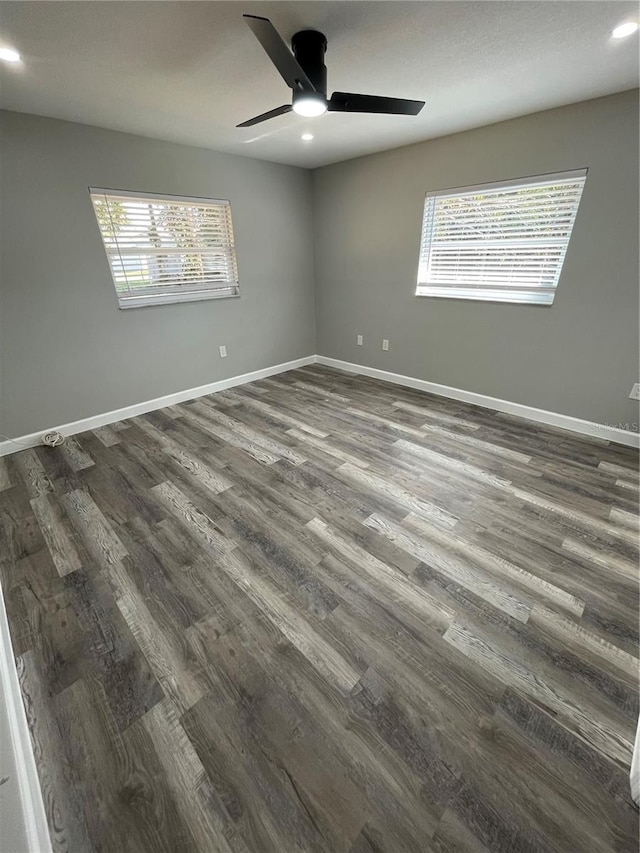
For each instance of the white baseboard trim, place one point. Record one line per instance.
(22, 813)
(555, 419)
(35, 438)
(590, 428)
(635, 768)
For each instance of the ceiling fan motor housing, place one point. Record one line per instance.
(309, 47)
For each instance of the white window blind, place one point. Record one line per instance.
(166, 248)
(499, 242)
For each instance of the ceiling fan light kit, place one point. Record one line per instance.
(305, 73)
(309, 105)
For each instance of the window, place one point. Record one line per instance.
(166, 248)
(501, 242)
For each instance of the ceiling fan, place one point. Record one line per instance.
(305, 73)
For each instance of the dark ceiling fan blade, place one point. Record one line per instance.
(349, 102)
(279, 111)
(279, 53)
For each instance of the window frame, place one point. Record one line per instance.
(512, 293)
(166, 294)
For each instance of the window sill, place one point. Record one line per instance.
(127, 302)
(544, 299)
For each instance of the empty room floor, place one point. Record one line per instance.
(325, 613)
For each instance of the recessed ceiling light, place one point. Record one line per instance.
(7, 54)
(625, 30)
(307, 137)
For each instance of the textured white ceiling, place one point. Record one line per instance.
(190, 71)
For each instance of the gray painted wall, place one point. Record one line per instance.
(578, 357)
(68, 351)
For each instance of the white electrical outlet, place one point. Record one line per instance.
(385, 344)
(223, 352)
(359, 340)
(635, 392)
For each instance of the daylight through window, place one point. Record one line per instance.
(499, 242)
(165, 249)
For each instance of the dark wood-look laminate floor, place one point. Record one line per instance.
(324, 613)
